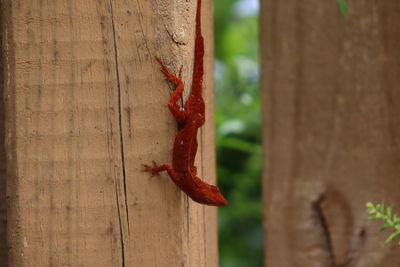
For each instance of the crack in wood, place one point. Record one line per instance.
(120, 119)
(121, 142)
(120, 227)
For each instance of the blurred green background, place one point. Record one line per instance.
(238, 132)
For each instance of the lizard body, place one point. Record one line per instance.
(190, 118)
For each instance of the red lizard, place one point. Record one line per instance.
(190, 118)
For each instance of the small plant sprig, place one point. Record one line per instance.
(379, 212)
(343, 7)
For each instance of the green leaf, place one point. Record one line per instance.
(370, 205)
(380, 208)
(384, 227)
(343, 7)
(396, 220)
(389, 212)
(392, 236)
(391, 220)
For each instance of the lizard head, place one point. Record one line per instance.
(213, 197)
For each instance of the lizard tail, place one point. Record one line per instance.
(198, 69)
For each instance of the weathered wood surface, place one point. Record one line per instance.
(331, 90)
(85, 108)
(3, 202)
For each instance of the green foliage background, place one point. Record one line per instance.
(238, 135)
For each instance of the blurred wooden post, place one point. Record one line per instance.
(331, 92)
(85, 108)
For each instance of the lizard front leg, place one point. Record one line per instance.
(156, 169)
(177, 111)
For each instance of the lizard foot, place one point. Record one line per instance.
(168, 75)
(153, 169)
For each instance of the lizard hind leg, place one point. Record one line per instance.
(177, 111)
(177, 81)
(155, 169)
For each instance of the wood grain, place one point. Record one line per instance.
(330, 95)
(3, 200)
(86, 107)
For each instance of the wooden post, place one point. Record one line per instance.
(331, 90)
(3, 200)
(85, 109)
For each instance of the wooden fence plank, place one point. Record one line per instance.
(330, 90)
(86, 107)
